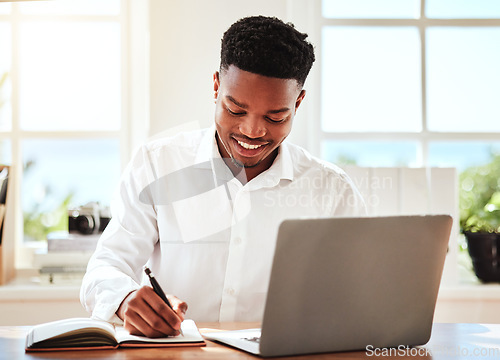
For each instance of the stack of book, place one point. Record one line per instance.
(65, 260)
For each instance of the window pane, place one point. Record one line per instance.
(371, 79)
(5, 152)
(67, 7)
(463, 79)
(365, 9)
(70, 76)
(465, 9)
(62, 173)
(462, 154)
(5, 79)
(370, 153)
(5, 8)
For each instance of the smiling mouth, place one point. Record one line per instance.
(248, 146)
(248, 150)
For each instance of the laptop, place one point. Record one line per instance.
(342, 284)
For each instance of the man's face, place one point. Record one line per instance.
(253, 116)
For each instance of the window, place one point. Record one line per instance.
(410, 83)
(63, 124)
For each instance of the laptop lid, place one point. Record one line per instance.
(346, 283)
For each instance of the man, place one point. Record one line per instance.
(202, 209)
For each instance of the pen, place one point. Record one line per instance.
(158, 290)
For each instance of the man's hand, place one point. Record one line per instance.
(145, 313)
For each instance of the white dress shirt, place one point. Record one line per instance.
(208, 239)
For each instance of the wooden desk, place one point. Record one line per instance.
(448, 341)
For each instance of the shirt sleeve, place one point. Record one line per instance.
(127, 243)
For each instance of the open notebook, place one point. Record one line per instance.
(86, 334)
(349, 283)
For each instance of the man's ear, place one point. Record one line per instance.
(299, 99)
(216, 84)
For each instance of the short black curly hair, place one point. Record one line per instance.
(269, 47)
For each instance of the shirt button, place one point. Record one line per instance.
(237, 240)
(230, 291)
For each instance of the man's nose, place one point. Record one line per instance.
(253, 127)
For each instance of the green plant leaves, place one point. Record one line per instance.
(479, 197)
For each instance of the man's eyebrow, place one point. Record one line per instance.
(244, 106)
(285, 109)
(234, 101)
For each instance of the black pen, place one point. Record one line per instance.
(158, 290)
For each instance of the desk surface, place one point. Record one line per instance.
(448, 341)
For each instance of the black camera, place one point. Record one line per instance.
(88, 219)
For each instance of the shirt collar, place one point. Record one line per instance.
(208, 157)
(281, 169)
(208, 147)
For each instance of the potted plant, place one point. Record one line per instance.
(479, 199)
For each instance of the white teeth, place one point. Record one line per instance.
(248, 146)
